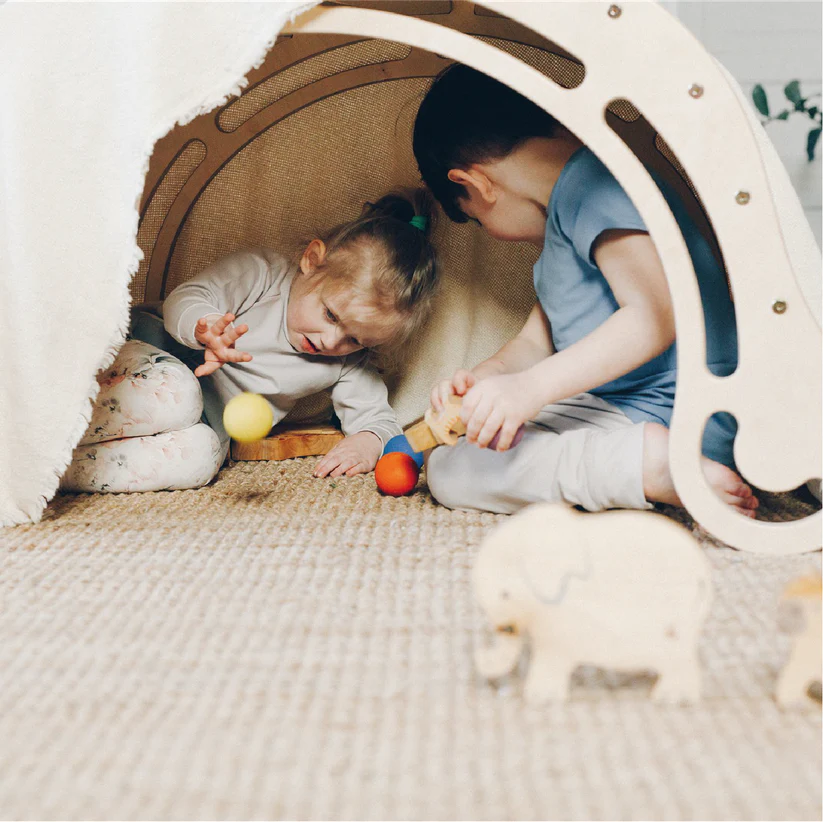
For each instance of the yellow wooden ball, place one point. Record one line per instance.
(247, 417)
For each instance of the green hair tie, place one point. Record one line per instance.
(419, 221)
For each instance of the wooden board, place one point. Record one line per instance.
(288, 441)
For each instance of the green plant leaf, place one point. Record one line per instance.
(811, 142)
(812, 112)
(761, 102)
(784, 115)
(792, 92)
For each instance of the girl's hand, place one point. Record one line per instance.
(502, 403)
(459, 384)
(357, 454)
(219, 340)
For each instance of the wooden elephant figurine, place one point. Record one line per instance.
(626, 590)
(801, 605)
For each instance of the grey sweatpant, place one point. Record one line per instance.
(582, 451)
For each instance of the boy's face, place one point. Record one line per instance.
(508, 218)
(500, 202)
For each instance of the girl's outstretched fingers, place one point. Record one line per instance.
(223, 323)
(206, 368)
(231, 335)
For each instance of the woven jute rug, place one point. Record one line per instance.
(279, 647)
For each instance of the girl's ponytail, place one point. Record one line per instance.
(412, 206)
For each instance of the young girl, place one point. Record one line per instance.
(305, 327)
(592, 374)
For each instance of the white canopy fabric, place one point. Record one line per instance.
(86, 90)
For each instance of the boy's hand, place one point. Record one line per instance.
(357, 454)
(219, 339)
(502, 403)
(459, 384)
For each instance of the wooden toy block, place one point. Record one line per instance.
(438, 429)
(288, 441)
(802, 598)
(626, 590)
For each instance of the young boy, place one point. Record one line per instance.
(593, 371)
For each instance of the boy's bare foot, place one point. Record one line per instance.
(657, 478)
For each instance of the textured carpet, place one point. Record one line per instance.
(274, 646)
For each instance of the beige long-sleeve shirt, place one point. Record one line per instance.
(254, 285)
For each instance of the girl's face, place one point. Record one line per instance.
(325, 319)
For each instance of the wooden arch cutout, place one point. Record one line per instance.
(778, 446)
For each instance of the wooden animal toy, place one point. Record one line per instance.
(445, 428)
(801, 604)
(626, 590)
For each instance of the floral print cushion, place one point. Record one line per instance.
(145, 391)
(145, 432)
(170, 461)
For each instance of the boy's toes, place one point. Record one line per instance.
(744, 498)
(731, 488)
(738, 496)
(748, 506)
(743, 491)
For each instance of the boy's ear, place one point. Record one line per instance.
(313, 257)
(474, 178)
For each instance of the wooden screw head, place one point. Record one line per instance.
(696, 90)
(779, 306)
(742, 197)
(615, 12)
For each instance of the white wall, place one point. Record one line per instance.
(769, 43)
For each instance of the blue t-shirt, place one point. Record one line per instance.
(585, 202)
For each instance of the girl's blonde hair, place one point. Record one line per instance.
(386, 258)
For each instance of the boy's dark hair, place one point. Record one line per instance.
(468, 117)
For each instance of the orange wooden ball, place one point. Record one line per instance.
(396, 474)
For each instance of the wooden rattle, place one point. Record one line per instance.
(446, 427)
